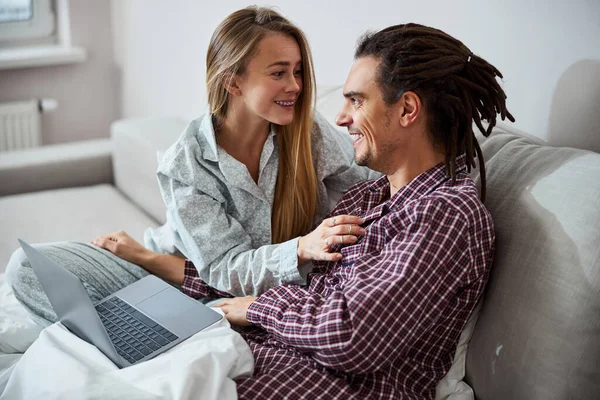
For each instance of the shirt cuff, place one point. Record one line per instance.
(195, 287)
(288, 262)
(259, 310)
(192, 285)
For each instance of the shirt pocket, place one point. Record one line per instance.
(351, 253)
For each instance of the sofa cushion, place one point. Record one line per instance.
(137, 145)
(538, 335)
(67, 214)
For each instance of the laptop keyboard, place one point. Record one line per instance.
(133, 334)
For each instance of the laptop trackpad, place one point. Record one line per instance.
(166, 304)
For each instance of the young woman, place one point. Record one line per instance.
(243, 185)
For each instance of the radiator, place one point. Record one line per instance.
(20, 125)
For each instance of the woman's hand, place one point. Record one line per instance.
(341, 229)
(124, 246)
(165, 266)
(235, 309)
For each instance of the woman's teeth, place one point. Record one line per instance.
(285, 103)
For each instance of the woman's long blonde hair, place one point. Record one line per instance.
(233, 44)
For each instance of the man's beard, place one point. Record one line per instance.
(363, 160)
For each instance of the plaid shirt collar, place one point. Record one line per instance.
(420, 186)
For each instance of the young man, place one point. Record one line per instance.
(384, 320)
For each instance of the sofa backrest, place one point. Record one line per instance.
(538, 334)
(138, 143)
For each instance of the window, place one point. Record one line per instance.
(27, 22)
(35, 33)
(15, 11)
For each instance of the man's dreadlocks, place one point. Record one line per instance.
(456, 87)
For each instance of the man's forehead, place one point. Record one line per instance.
(362, 75)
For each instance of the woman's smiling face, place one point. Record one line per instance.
(272, 80)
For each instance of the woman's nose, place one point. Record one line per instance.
(294, 84)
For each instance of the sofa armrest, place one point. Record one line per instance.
(56, 166)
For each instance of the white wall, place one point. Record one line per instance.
(538, 45)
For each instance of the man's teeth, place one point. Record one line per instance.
(285, 103)
(357, 136)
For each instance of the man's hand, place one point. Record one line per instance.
(235, 309)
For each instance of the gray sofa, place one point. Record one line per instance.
(538, 333)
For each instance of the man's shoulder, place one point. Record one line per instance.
(458, 199)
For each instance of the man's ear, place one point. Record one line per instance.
(232, 84)
(410, 108)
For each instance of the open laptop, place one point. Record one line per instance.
(132, 325)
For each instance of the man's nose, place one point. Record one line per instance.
(342, 118)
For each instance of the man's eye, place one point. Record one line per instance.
(354, 101)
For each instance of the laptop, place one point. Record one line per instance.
(132, 325)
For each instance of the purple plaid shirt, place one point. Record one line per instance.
(384, 321)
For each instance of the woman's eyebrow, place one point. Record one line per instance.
(282, 63)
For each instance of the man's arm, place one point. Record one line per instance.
(390, 300)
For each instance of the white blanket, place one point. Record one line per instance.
(17, 332)
(59, 365)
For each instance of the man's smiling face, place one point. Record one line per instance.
(369, 120)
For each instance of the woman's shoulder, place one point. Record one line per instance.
(194, 134)
(327, 139)
(320, 125)
(189, 150)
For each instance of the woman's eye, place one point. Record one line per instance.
(298, 72)
(278, 73)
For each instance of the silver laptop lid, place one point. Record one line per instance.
(71, 302)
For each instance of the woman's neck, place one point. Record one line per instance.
(243, 128)
(243, 135)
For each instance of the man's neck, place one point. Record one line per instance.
(413, 165)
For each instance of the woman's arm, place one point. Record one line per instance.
(174, 269)
(165, 266)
